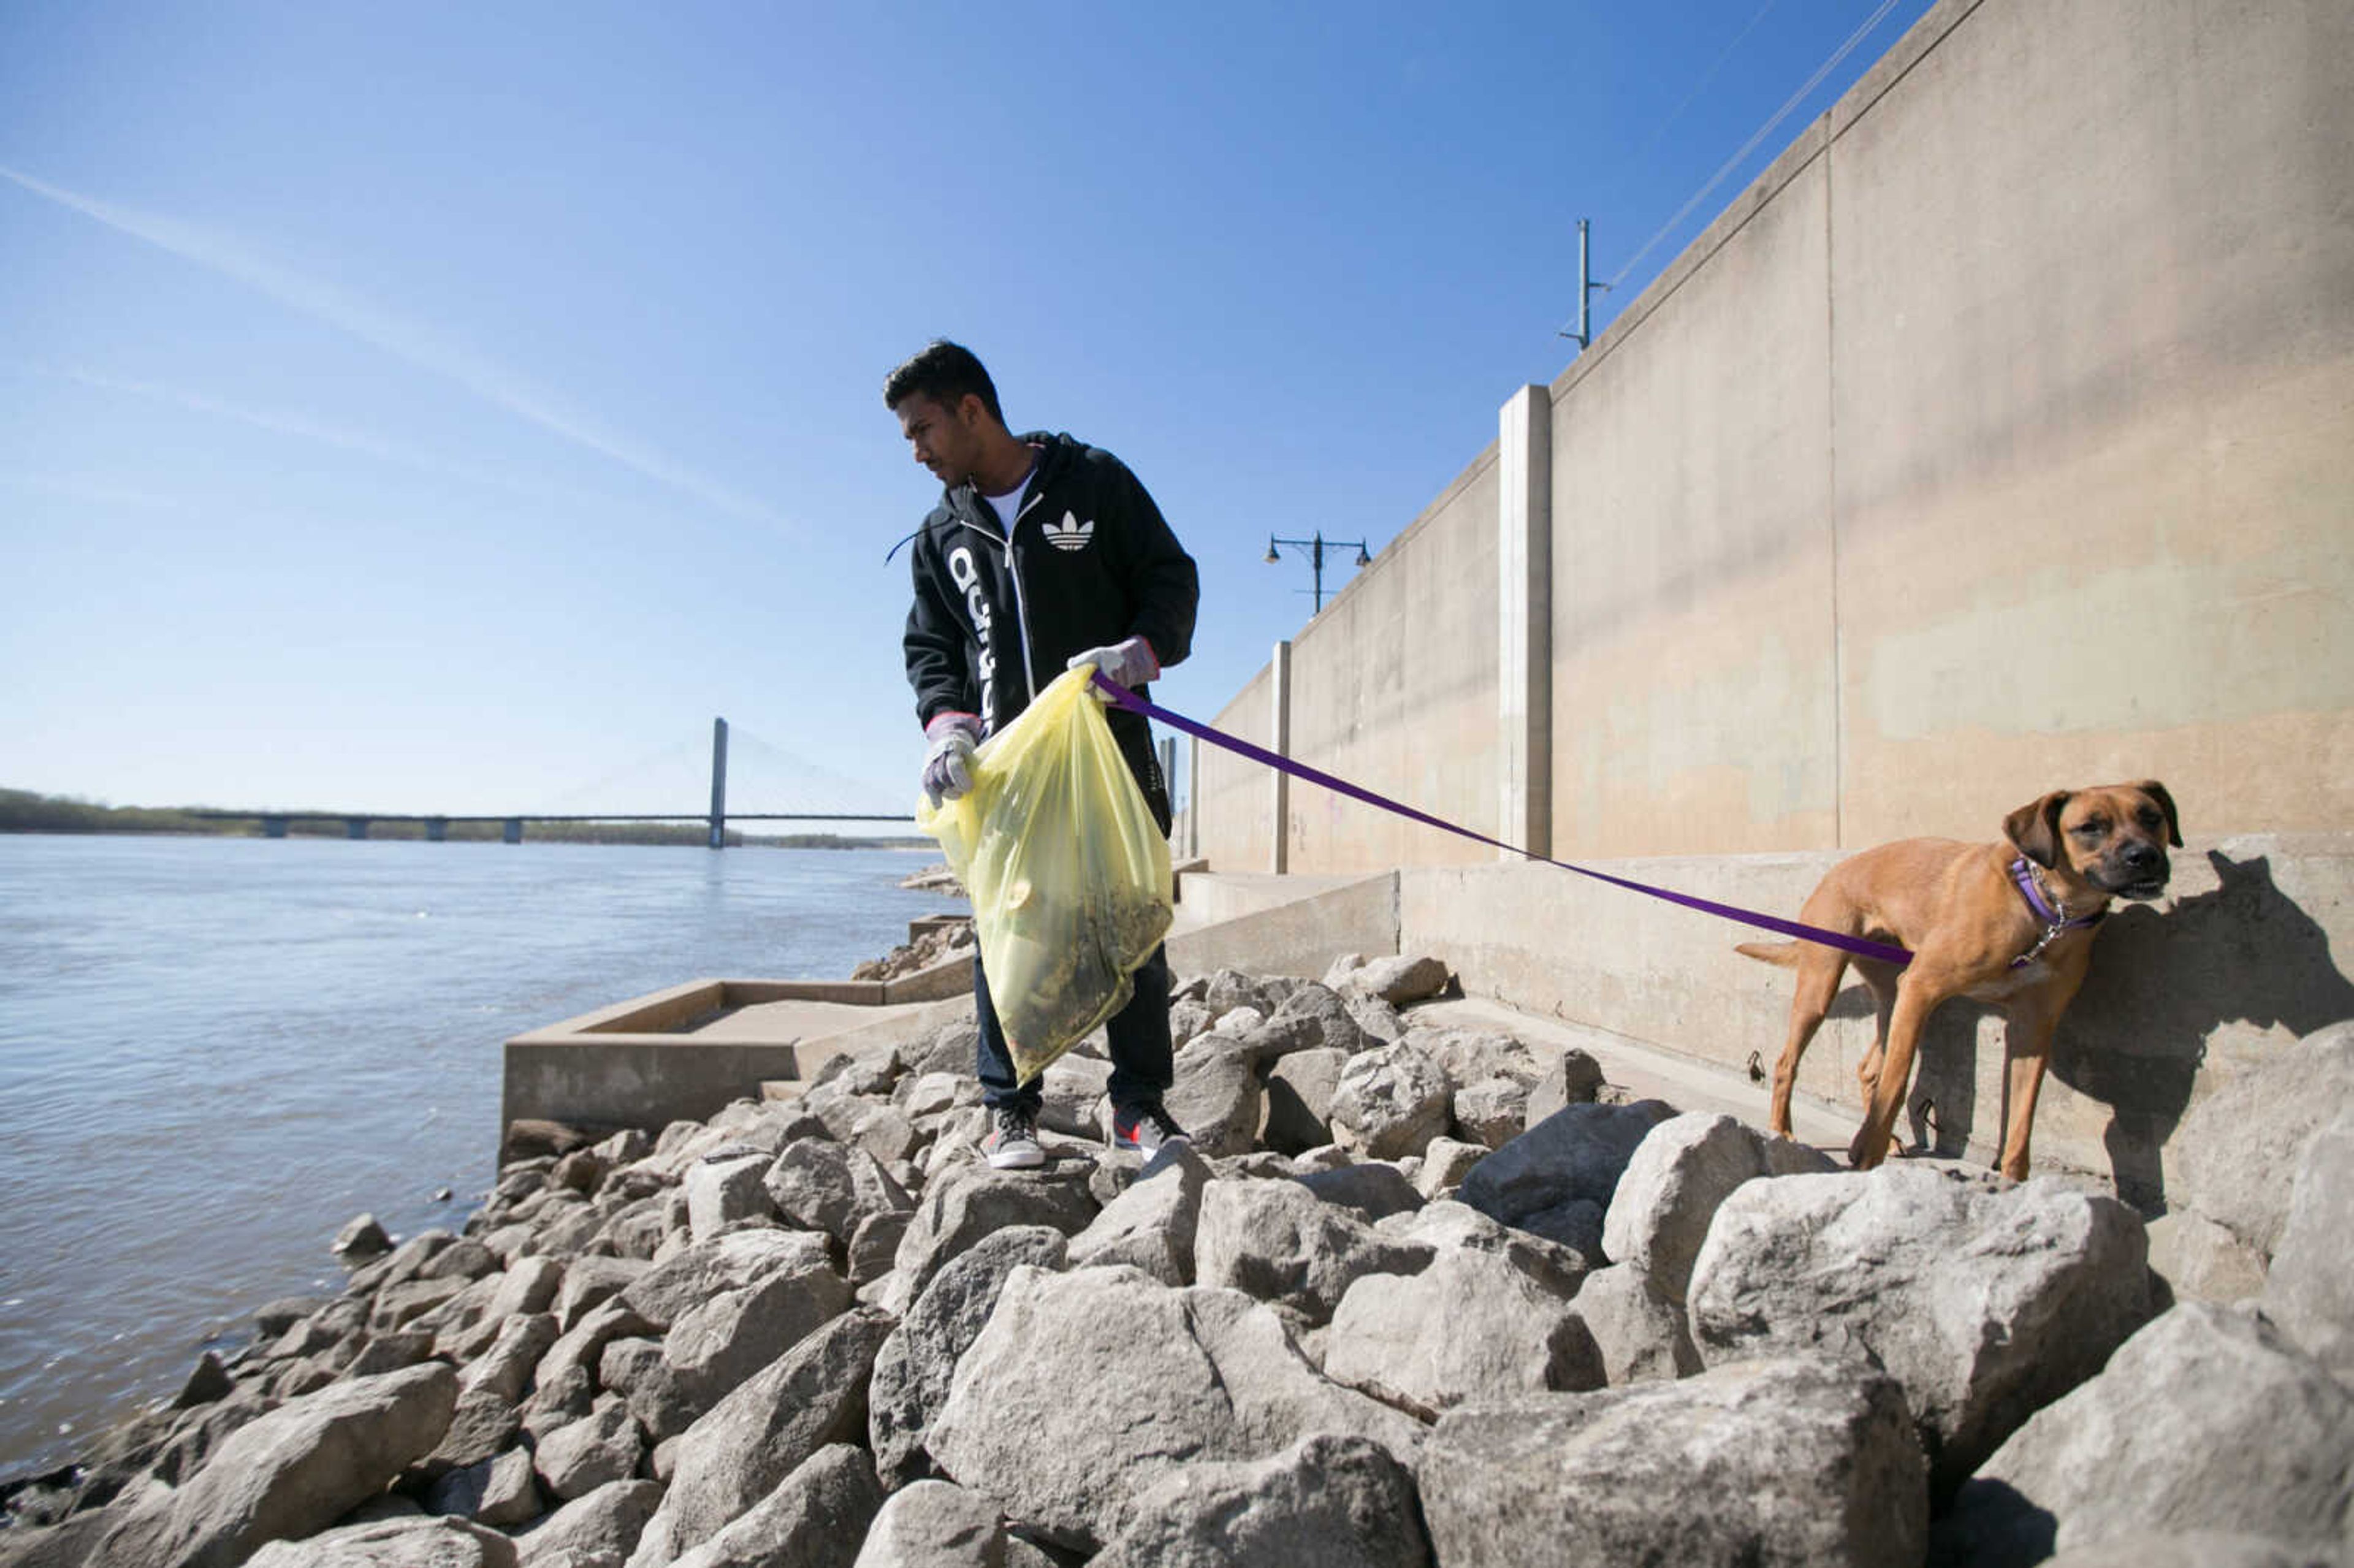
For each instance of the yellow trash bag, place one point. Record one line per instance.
(1068, 871)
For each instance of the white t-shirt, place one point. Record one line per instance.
(1008, 505)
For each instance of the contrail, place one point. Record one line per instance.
(404, 340)
(341, 437)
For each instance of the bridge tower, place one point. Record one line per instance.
(718, 783)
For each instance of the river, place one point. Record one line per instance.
(215, 1052)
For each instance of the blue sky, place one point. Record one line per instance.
(439, 407)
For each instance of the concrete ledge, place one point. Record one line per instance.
(1268, 924)
(2240, 961)
(684, 1052)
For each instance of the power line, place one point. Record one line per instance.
(1763, 131)
(1705, 78)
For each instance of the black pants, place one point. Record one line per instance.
(1139, 1033)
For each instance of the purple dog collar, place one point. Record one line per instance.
(2030, 888)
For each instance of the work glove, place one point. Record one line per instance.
(948, 767)
(1129, 663)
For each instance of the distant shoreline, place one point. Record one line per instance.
(23, 812)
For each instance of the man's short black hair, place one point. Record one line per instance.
(944, 372)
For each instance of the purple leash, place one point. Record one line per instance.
(1861, 947)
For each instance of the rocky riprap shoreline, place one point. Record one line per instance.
(1415, 1294)
(951, 938)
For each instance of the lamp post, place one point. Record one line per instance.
(1315, 548)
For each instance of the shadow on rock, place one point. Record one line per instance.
(2162, 984)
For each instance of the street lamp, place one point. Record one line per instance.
(1315, 548)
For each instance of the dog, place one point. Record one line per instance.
(2011, 924)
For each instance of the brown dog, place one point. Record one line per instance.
(2011, 924)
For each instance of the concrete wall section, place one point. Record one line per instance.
(1994, 440)
(1692, 560)
(1393, 687)
(1237, 823)
(2094, 403)
(1293, 936)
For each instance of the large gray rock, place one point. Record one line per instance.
(875, 1246)
(1215, 1097)
(816, 1394)
(1471, 1326)
(1470, 1055)
(1398, 981)
(1678, 1175)
(2311, 1290)
(918, 1360)
(1328, 1024)
(1229, 989)
(394, 1543)
(1390, 1102)
(668, 1291)
(1642, 1336)
(969, 1202)
(2202, 1261)
(1376, 1188)
(500, 1490)
(1150, 1224)
(1571, 1078)
(1445, 1164)
(828, 1187)
(291, 1472)
(717, 1343)
(1070, 1091)
(1088, 1388)
(602, 1448)
(1573, 1156)
(1985, 1301)
(723, 1188)
(1297, 1110)
(934, 1524)
(599, 1531)
(2208, 1419)
(1491, 1112)
(1448, 1223)
(635, 1370)
(482, 1424)
(1280, 1243)
(528, 1288)
(2195, 1548)
(815, 1518)
(591, 1280)
(1324, 1502)
(1804, 1462)
(2235, 1156)
(567, 1374)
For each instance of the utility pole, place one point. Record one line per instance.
(719, 783)
(1315, 548)
(1585, 287)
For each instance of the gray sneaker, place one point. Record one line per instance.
(1012, 1140)
(1144, 1129)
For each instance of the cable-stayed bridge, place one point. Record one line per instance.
(651, 790)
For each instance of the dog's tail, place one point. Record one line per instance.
(1784, 954)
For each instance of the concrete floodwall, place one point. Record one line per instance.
(1231, 802)
(1393, 687)
(1998, 438)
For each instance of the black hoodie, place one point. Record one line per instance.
(1090, 563)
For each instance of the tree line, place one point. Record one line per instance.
(25, 811)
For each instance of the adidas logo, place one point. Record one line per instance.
(1070, 534)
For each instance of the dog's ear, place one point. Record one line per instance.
(2035, 829)
(2157, 791)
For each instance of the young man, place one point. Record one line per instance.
(1043, 553)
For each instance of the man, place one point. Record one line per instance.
(1043, 553)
